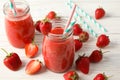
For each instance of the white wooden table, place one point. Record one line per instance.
(39, 8)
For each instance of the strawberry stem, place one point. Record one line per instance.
(109, 76)
(106, 51)
(33, 41)
(45, 20)
(106, 78)
(39, 61)
(5, 51)
(8, 54)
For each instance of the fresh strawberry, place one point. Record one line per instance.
(12, 61)
(83, 36)
(37, 25)
(100, 76)
(102, 41)
(51, 15)
(83, 64)
(45, 27)
(78, 44)
(71, 75)
(33, 67)
(77, 29)
(31, 49)
(99, 13)
(96, 56)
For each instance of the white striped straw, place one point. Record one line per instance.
(70, 18)
(87, 26)
(69, 24)
(12, 6)
(66, 32)
(84, 23)
(91, 19)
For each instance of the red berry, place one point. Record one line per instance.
(31, 49)
(99, 13)
(100, 76)
(37, 27)
(78, 44)
(12, 61)
(83, 36)
(102, 41)
(45, 27)
(71, 75)
(77, 29)
(51, 15)
(96, 56)
(83, 64)
(33, 67)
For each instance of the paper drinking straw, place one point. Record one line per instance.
(90, 18)
(66, 32)
(70, 26)
(12, 6)
(83, 22)
(70, 18)
(87, 26)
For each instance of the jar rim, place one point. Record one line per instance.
(6, 7)
(59, 23)
(59, 37)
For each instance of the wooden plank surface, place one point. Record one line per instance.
(39, 8)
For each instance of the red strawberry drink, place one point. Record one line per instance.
(58, 52)
(19, 26)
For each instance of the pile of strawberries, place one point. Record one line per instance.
(83, 62)
(13, 61)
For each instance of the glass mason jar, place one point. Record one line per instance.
(19, 27)
(58, 52)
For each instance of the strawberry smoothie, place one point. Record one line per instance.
(58, 53)
(19, 28)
